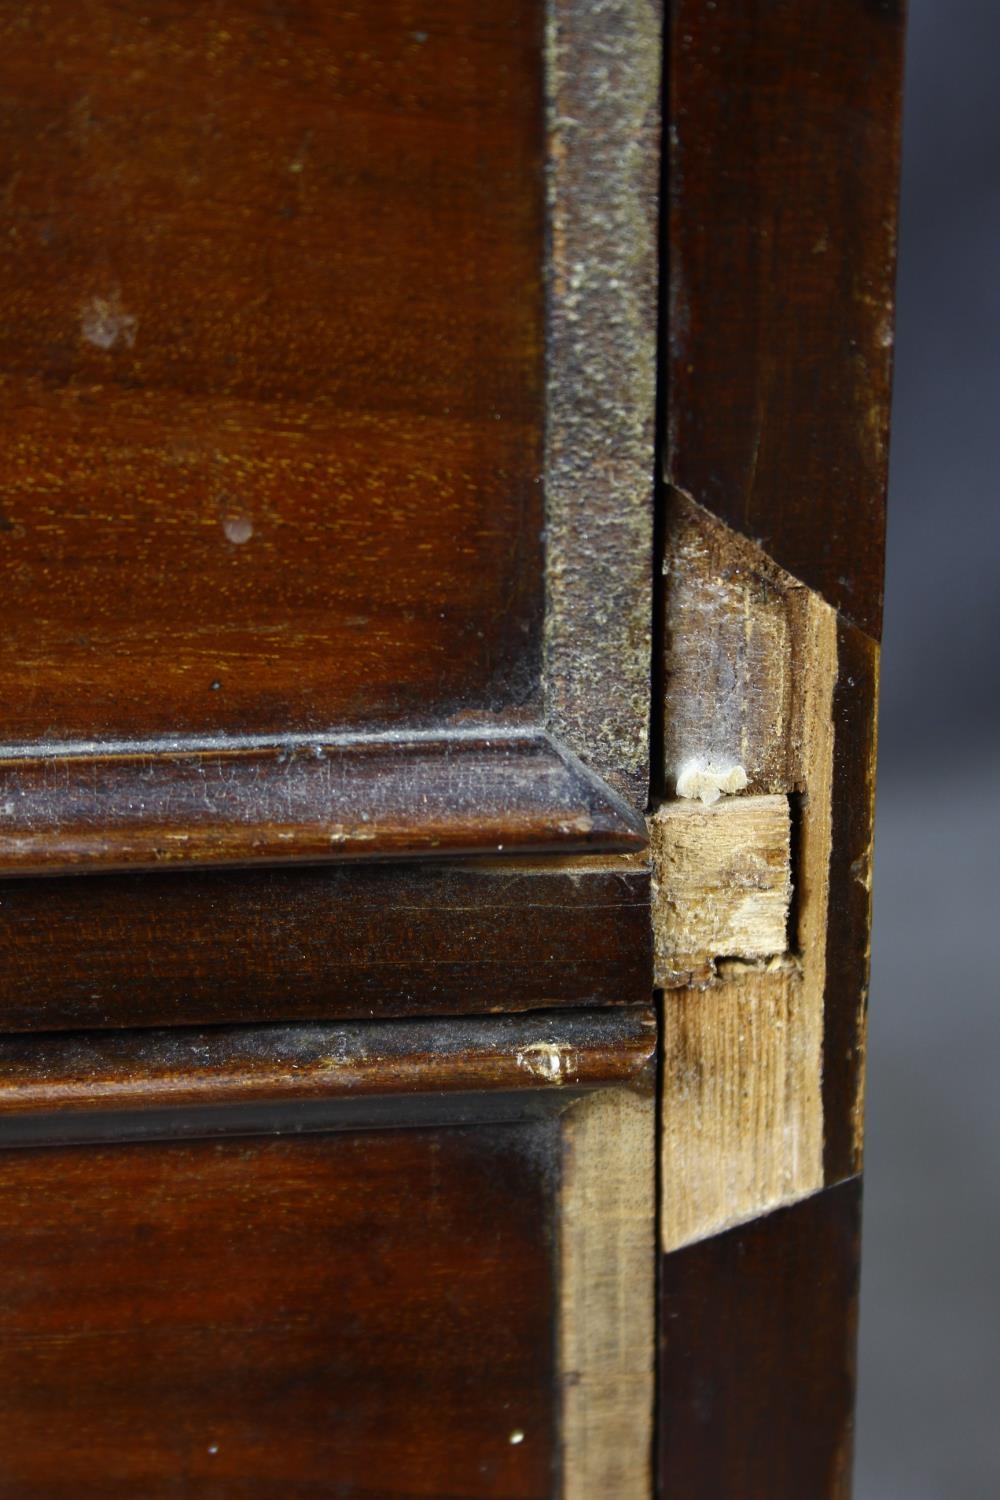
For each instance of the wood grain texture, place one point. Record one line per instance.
(359, 941)
(105, 807)
(354, 1315)
(607, 1311)
(64, 1080)
(783, 167)
(751, 666)
(742, 1116)
(272, 365)
(758, 1330)
(603, 73)
(722, 884)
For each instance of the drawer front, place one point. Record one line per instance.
(394, 1260)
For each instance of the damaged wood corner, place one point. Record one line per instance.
(741, 877)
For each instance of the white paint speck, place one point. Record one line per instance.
(549, 1060)
(213, 1448)
(238, 529)
(516, 1437)
(105, 323)
(708, 780)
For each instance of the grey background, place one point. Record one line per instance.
(929, 1407)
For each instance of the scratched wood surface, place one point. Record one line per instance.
(271, 364)
(325, 798)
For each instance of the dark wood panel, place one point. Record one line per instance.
(347, 941)
(112, 807)
(784, 124)
(758, 1329)
(848, 943)
(220, 1080)
(356, 1315)
(272, 365)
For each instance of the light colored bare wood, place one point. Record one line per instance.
(722, 886)
(607, 1257)
(742, 1122)
(752, 665)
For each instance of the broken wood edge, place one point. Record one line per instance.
(607, 1299)
(722, 885)
(742, 1111)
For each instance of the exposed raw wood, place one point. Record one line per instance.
(603, 68)
(739, 652)
(722, 885)
(751, 663)
(607, 1306)
(742, 1116)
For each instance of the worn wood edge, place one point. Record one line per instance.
(179, 1068)
(607, 1302)
(123, 807)
(742, 1116)
(603, 63)
(849, 939)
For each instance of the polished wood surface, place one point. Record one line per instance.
(355, 1315)
(758, 1329)
(782, 180)
(272, 365)
(339, 941)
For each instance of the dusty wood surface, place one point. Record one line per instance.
(603, 63)
(607, 1270)
(101, 1072)
(362, 941)
(325, 798)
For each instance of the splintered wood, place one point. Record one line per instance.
(722, 885)
(607, 1258)
(740, 934)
